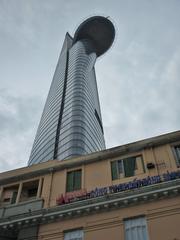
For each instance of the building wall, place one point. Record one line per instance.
(80, 131)
(46, 136)
(162, 217)
(98, 174)
(71, 123)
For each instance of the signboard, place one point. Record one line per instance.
(97, 192)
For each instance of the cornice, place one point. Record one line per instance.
(93, 206)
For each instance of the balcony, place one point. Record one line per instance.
(21, 208)
(21, 198)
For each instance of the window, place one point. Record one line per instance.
(136, 229)
(9, 195)
(29, 190)
(7, 200)
(127, 167)
(14, 196)
(176, 150)
(73, 181)
(11, 200)
(32, 192)
(74, 235)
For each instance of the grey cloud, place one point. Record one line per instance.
(142, 96)
(18, 112)
(138, 79)
(19, 117)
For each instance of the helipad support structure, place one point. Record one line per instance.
(71, 123)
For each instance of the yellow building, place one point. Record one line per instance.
(128, 192)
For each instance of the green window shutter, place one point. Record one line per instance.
(177, 154)
(77, 180)
(114, 170)
(69, 183)
(129, 166)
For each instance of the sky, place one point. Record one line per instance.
(138, 78)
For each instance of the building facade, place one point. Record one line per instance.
(71, 123)
(130, 192)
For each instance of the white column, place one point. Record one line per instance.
(19, 192)
(39, 188)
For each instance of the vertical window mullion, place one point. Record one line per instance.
(120, 167)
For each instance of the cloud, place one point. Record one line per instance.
(142, 94)
(138, 78)
(19, 116)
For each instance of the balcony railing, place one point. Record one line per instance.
(21, 208)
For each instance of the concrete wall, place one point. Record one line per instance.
(162, 216)
(28, 233)
(98, 174)
(22, 208)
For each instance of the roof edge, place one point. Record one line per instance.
(56, 165)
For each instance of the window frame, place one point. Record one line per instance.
(74, 182)
(175, 154)
(139, 218)
(123, 174)
(71, 231)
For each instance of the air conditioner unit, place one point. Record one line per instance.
(150, 165)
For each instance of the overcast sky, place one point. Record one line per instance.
(138, 78)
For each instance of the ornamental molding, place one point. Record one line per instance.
(93, 206)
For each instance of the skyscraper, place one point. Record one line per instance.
(71, 123)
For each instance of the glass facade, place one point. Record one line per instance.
(71, 122)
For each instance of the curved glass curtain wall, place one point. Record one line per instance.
(71, 121)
